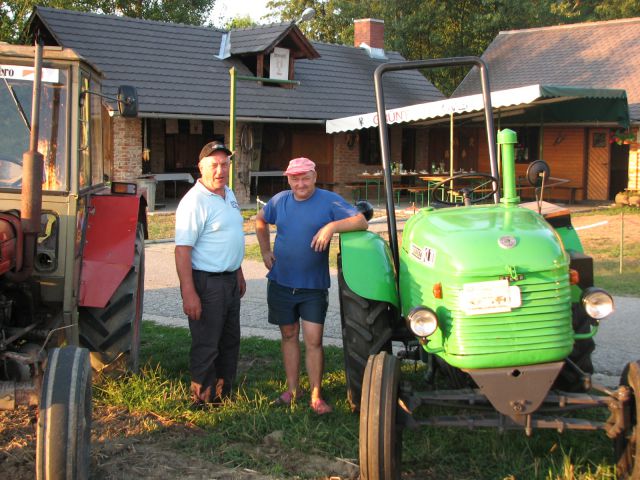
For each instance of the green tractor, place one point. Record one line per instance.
(496, 296)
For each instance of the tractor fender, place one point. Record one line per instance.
(367, 266)
(109, 243)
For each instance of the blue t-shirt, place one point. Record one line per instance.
(212, 226)
(297, 265)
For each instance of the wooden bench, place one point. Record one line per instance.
(570, 189)
(355, 188)
(398, 189)
(419, 191)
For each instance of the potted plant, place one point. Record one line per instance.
(622, 137)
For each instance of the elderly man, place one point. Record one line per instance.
(209, 250)
(306, 218)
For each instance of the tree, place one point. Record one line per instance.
(420, 29)
(14, 14)
(240, 22)
(191, 12)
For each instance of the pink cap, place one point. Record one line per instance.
(301, 165)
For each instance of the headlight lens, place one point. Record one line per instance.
(422, 321)
(597, 303)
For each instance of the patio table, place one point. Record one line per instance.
(378, 180)
(434, 179)
(174, 177)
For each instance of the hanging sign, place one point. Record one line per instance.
(20, 72)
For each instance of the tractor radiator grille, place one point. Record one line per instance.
(542, 322)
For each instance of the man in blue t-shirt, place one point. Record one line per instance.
(306, 218)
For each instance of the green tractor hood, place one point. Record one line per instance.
(477, 241)
(449, 254)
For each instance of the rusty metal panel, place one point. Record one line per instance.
(516, 391)
(109, 247)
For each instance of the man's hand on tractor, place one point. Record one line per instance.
(322, 239)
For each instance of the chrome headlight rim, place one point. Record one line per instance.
(589, 304)
(422, 316)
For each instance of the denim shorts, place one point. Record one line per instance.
(288, 305)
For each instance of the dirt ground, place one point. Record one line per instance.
(606, 229)
(122, 448)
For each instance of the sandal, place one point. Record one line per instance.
(320, 407)
(287, 398)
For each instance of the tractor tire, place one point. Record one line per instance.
(627, 443)
(64, 418)
(366, 330)
(112, 333)
(380, 437)
(569, 380)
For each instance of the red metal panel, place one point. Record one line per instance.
(108, 250)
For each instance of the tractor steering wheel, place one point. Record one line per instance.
(466, 191)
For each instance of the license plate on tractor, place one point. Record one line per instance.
(495, 296)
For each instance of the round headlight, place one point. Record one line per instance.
(597, 303)
(422, 321)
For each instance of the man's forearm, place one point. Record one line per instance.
(357, 222)
(263, 235)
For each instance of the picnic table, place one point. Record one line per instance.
(377, 179)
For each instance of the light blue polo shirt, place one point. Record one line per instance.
(212, 226)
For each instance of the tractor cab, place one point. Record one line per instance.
(71, 247)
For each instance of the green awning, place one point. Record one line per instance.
(546, 104)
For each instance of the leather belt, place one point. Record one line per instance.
(215, 274)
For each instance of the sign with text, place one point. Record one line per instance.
(279, 64)
(19, 72)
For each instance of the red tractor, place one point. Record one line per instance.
(71, 249)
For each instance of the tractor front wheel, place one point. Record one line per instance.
(627, 443)
(366, 330)
(380, 435)
(64, 416)
(113, 333)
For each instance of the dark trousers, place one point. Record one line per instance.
(215, 337)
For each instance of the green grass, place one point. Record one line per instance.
(605, 250)
(233, 433)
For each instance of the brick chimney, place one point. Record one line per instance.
(369, 31)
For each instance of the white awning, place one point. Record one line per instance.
(500, 99)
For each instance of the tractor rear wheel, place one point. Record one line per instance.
(380, 436)
(627, 443)
(112, 333)
(64, 417)
(366, 330)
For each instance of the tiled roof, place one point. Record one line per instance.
(597, 54)
(176, 71)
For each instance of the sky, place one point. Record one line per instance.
(233, 8)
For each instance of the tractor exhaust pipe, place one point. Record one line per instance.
(32, 166)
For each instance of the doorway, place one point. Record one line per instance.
(619, 179)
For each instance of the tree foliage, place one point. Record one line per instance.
(14, 14)
(421, 29)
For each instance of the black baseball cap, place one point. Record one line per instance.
(211, 147)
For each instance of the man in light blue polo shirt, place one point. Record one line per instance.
(209, 250)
